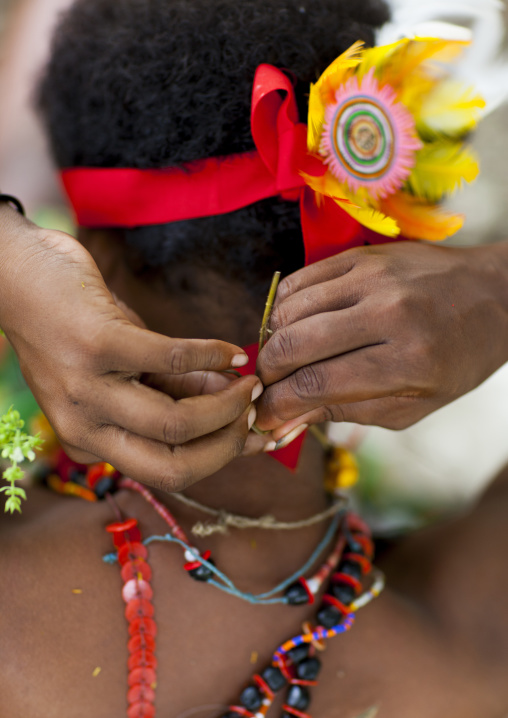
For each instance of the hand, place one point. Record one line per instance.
(83, 359)
(384, 335)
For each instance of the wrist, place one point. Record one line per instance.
(493, 263)
(22, 249)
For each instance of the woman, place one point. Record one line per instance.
(109, 99)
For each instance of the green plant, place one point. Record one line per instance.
(16, 446)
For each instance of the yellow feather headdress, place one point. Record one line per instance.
(390, 125)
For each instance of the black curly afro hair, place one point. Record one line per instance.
(154, 83)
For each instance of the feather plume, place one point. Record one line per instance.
(379, 57)
(411, 55)
(451, 109)
(419, 219)
(441, 168)
(481, 19)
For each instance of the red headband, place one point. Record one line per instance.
(126, 197)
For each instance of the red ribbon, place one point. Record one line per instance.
(127, 197)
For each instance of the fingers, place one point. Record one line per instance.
(149, 413)
(181, 386)
(339, 293)
(257, 444)
(125, 347)
(394, 413)
(358, 376)
(316, 339)
(170, 468)
(317, 273)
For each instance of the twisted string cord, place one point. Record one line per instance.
(226, 520)
(225, 584)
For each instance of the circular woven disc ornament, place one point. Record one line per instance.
(369, 139)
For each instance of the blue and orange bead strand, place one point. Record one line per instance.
(139, 611)
(295, 664)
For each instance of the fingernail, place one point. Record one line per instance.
(257, 391)
(271, 446)
(286, 440)
(252, 417)
(239, 360)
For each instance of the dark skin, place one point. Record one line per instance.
(434, 645)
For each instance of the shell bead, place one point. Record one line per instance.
(137, 588)
(141, 676)
(136, 569)
(142, 659)
(143, 709)
(141, 642)
(143, 625)
(131, 551)
(141, 693)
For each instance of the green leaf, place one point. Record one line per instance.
(16, 446)
(13, 473)
(13, 504)
(14, 491)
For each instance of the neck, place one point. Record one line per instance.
(259, 485)
(257, 558)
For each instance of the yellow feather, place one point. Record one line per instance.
(357, 206)
(410, 56)
(379, 57)
(451, 109)
(323, 92)
(327, 185)
(419, 219)
(316, 120)
(440, 169)
(413, 94)
(372, 219)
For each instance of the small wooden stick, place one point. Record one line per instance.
(321, 437)
(268, 310)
